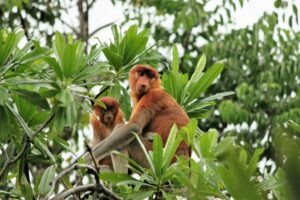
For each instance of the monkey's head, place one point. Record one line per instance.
(143, 78)
(107, 115)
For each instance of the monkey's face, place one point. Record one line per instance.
(107, 113)
(144, 81)
(143, 78)
(108, 116)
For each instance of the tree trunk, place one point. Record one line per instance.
(83, 10)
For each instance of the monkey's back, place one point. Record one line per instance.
(168, 112)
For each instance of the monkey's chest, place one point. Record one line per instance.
(162, 124)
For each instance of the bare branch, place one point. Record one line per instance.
(99, 29)
(96, 187)
(69, 26)
(23, 23)
(78, 189)
(89, 149)
(90, 5)
(43, 126)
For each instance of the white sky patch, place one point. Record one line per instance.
(104, 12)
(251, 12)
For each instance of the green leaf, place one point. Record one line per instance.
(175, 62)
(9, 42)
(198, 106)
(70, 55)
(174, 83)
(115, 59)
(146, 153)
(63, 143)
(41, 145)
(295, 10)
(199, 69)
(195, 78)
(254, 161)
(4, 125)
(116, 34)
(22, 183)
(94, 53)
(207, 144)
(199, 86)
(58, 46)
(171, 146)
(217, 96)
(59, 121)
(90, 72)
(224, 145)
(45, 184)
(65, 97)
(33, 98)
(55, 66)
(114, 177)
(157, 155)
(4, 96)
(38, 118)
(71, 113)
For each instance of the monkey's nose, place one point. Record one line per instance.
(143, 86)
(108, 119)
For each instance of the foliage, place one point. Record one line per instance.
(261, 59)
(46, 92)
(31, 16)
(186, 90)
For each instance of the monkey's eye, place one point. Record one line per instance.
(150, 75)
(141, 73)
(108, 108)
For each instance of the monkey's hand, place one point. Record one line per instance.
(149, 136)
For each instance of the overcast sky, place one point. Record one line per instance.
(104, 12)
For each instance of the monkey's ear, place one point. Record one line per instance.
(97, 110)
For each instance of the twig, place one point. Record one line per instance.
(23, 23)
(75, 190)
(90, 151)
(99, 29)
(26, 144)
(43, 126)
(186, 42)
(96, 187)
(91, 4)
(101, 92)
(70, 26)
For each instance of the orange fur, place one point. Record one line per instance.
(101, 128)
(154, 109)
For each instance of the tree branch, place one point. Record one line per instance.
(90, 5)
(23, 24)
(99, 29)
(26, 144)
(92, 187)
(89, 149)
(70, 26)
(78, 189)
(186, 42)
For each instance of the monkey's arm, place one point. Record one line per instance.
(122, 135)
(119, 138)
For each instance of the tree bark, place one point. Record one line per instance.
(83, 10)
